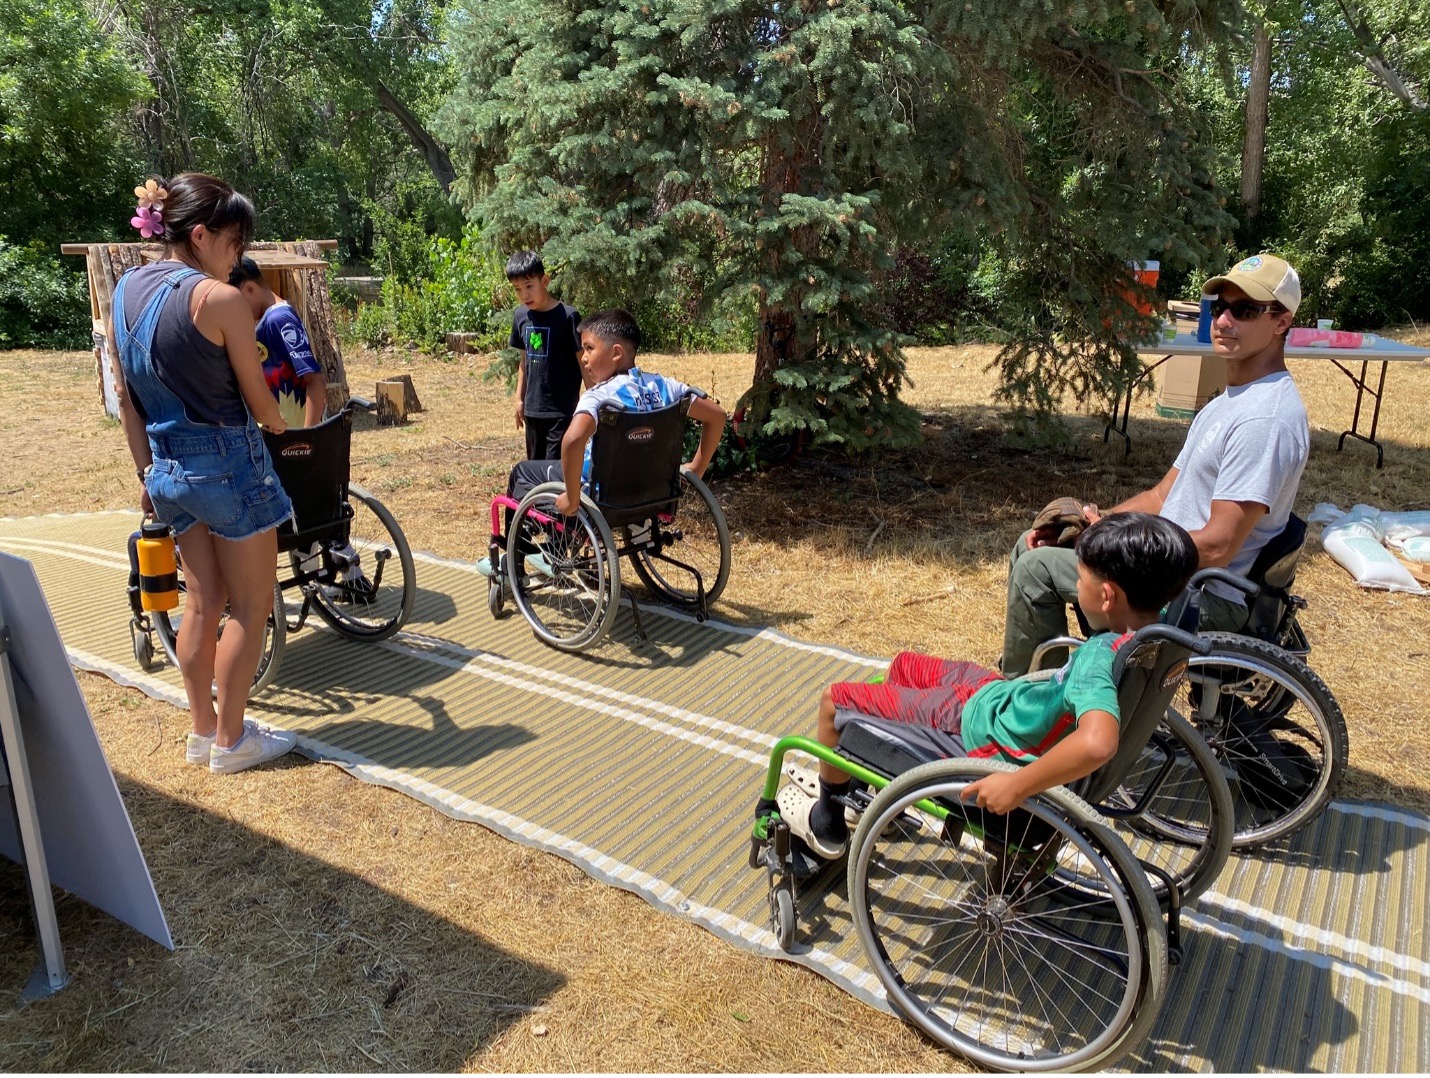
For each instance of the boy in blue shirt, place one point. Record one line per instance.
(610, 340)
(548, 379)
(293, 373)
(1057, 729)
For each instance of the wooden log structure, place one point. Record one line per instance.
(295, 270)
(410, 402)
(391, 403)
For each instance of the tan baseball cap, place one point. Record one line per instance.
(1265, 278)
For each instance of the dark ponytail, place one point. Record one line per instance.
(196, 199)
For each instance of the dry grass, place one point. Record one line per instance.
(325, 924)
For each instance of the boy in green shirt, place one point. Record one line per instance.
(1058, 728)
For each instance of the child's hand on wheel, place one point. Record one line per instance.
(567, 503)
(1000, 793)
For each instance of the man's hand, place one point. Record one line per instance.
(520, 413)
(145, 502)
(568, 503)
(1093, 514)
(1000, 793)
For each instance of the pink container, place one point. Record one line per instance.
(1305, 337)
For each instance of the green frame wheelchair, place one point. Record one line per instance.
(1039, 940)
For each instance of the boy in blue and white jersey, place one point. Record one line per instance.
(610, 340)
(293, 373)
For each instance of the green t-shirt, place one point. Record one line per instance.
(1020, 720)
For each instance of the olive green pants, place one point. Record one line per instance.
(1042, 584)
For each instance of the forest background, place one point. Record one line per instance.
(816, 183)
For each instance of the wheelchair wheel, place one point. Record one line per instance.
(496, 601)
(1274, 727)
(1186, 825)
(143, 645)
(697, 536)
(167, 624)
(562, 572)
(783, 918)
(985, 948)
(366, 586)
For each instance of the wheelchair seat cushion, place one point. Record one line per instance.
(893, 747)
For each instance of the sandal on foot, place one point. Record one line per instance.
(807, 780)
(795, 806)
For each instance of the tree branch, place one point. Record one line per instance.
(435, 153)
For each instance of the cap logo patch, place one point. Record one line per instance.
(1249, 264)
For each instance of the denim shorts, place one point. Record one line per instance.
(223, 479)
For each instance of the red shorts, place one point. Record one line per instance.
(920, 690)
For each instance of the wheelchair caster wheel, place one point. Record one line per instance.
(496, 601)
(143, 649)
(782, 916)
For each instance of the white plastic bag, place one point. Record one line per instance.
(1396, 528)
(1416, 548)
(1354, 541)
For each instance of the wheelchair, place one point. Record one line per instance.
(344, 554)
(1270, 720)
(563, 573)
(1039, 940)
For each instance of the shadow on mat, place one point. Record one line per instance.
(338, 702)
(668, 640)
(1263, 1002)
(283, 963)
(1353, 838)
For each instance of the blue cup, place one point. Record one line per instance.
(1204, 320)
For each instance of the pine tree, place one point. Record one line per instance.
(785, 150)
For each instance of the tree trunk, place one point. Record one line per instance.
(1372, 54)
(1253, 148)
(435, 153)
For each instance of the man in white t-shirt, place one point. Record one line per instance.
(1232, 485)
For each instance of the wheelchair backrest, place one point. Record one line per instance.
(1275, 564)
(1147, 670)
(1275, 570)
(635, 461)
(312, 464)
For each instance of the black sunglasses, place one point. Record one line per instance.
(1243, 310)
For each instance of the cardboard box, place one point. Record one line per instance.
(1187, 383)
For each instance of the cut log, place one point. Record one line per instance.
(409, 392)
(461, 343)
(391, 404)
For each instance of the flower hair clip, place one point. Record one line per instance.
(148, 215)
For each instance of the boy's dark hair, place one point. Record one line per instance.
(612, 325)
(246, 270)
(524, 264)
(1147, 556)
(196, 199)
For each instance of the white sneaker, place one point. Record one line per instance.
(198, 747)
(254, 747)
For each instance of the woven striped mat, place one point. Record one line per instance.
(1315, 957)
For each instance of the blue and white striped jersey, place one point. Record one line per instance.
(636, 391)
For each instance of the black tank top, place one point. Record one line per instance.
(191, 366)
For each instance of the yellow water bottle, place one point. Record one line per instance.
(158, 568)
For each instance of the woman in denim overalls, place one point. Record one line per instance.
(191, 390)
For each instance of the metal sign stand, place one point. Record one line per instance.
(50, 976)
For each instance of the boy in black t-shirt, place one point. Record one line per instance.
(548, 381)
